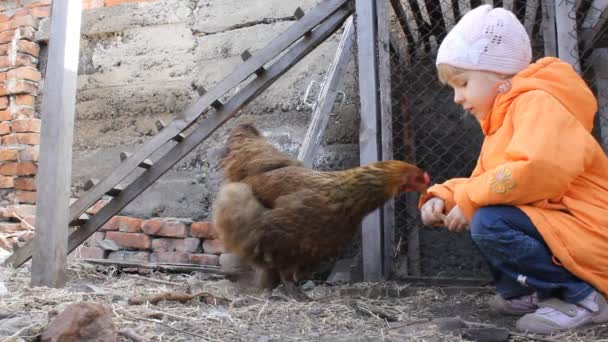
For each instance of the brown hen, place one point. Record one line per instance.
(284, 219)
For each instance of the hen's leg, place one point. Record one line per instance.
(287, 278)
(267, 278)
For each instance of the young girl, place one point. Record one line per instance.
(537, 202)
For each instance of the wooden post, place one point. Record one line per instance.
(368, 132)
(549, 34)
(567, 41)
(55, 168)
(329, 91)
(386, 128)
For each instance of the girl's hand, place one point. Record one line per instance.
(456, 221)
(432, 212)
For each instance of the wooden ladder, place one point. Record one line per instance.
(301, 38)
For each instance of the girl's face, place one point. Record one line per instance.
(475, 91)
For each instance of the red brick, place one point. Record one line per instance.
(169, 257)
(35, 3)
(6, 36)
(5, 115)
(4, 89)
(128, 224)
(18, 169)
(6, 227)
(41, 11)
(27, 47)
(96, 237)
(26, 125)
(213, 246)
(204, 259)
(6, 182)
(4, 17)
(28, 138)
(19, 21)
(91, 4)
(6, 244)
(24, 73)
(16, 87)
(28, 222)
(91, 253)
(25, 100)
(110, 225)
(4, 102)
(20, 210)
(229, 261)
(4, 49)
(5, 128)
(3, 76)
(25, 183)
(130, 256)
(8, 154)
(130, 240)
(164, 228)
(29, 153)
(203, 230)
(10, 139)
(187, 245)
(110, 3)
(26, 196)
(23, 112)
(97, 207)
(24, 60)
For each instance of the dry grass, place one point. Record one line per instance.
(340, 313)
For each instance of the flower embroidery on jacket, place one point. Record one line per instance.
(501, 181)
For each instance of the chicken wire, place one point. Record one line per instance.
(436, 134)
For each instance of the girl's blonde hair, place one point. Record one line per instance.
(446, 72)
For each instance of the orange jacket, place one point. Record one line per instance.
(538, 154)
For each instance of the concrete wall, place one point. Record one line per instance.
(144, 61)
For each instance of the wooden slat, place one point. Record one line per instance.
(214, 120)
(567, 41)
(329, 92)
(549, 33)
(368, 131)
(55, 172)
(257, 60)
(386, 130)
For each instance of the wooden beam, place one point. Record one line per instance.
(386, 130)
(567, 41)
(55, 165)
(368, 132)
(549, 33)
(191, 114)
(212, 121)
(329, 92)
(401, 15)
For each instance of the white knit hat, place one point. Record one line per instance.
(487, 39)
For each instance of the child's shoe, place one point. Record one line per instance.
(555, 315)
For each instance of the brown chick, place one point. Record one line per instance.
(284, 219)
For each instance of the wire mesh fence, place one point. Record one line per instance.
(429, 129)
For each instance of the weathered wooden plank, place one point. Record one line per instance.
(567, 33)
(386, 129)
(549, 33)
(55, 172)
(401, 15)
(214, 120)
(368, 132)
(257, 60)
(164, 267)
(599, 58)
(594, 28)
(329, 92)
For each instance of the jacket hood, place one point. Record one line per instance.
(556, 78)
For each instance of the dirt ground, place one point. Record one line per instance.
(357, 312)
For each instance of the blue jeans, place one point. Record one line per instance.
(518, 257)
